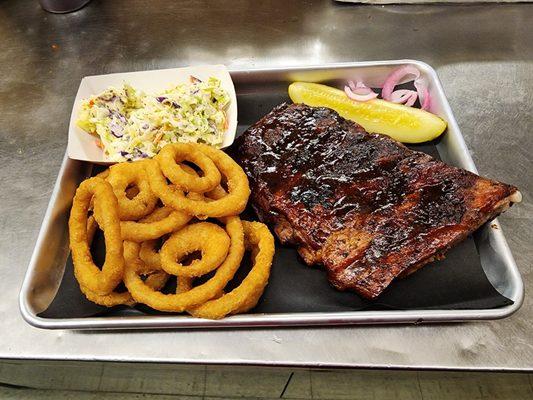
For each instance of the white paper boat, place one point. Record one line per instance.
(82, 145)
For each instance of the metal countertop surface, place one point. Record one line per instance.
(483, 55)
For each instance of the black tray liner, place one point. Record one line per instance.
(457, 282)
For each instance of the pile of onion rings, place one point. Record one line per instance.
(172, 217)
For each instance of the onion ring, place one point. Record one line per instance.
(102, 281)
(245, 296)
(162, 221)
(131, 192)
(120, 177)
(155, 280)
(149, 255)
(232, 204)
(113, 298)
(179, 302)
(172, 154)
(206, 237)
(108, 300)
(124, 200)
(104, 174)
(155, 276)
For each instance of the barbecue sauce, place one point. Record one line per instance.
(334, 185)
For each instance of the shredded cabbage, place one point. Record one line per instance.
(132, 125)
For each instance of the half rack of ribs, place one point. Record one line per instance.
(363, 205)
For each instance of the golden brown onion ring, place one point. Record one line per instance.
(155, 276)
(156, 280)
(162, 221)
(172, 154)
(150, 255)
(103, 281)
(210, 239)
(125, 174)
(131, 192)
(104, 174)
(110, 299)
(245, 296)
(113, 298)
(232, 204)
(200, 294)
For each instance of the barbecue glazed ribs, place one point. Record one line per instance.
(363, 205)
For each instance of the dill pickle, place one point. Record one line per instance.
(402, 123)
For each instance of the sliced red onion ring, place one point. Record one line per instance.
(403, 96)
(359, 91)
(420, 84)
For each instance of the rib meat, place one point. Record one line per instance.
(363, 205)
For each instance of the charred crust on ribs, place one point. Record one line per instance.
(363, 205)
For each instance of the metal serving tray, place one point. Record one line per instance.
(47, 264)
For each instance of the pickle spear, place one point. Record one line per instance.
(402, 123)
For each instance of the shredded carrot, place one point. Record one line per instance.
(226, 122)
(158, 137)
(99, 144)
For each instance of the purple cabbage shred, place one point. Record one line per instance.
(115, 134)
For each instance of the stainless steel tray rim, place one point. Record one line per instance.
(286, 319)
(270, 320)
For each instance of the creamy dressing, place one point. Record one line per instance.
(132, 125)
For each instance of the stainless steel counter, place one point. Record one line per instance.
(483, 55)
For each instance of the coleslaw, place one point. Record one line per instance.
(132, 125)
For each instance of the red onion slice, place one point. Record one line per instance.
(359, 91)
(394, 78)
(420, 84)
(403, 96)
(423, 93)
